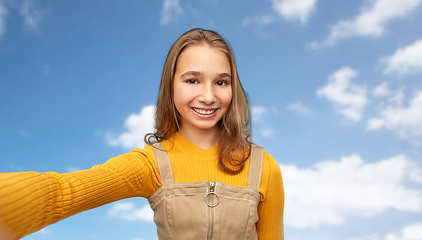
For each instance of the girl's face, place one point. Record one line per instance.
(202, 88)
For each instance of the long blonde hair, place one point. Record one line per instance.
(234, 138)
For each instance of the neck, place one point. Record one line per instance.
(203, 138)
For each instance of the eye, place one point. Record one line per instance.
(222, 83)
(192, 81)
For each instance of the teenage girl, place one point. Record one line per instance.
(202, 175)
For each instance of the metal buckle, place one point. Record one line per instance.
(212, 205)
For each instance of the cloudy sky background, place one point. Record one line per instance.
(335, 89)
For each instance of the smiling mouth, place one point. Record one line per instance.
(204, 112)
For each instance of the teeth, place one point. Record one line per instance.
(206, 112)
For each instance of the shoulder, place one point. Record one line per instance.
(271, 174)
(133, 159)
(147, 155)
(270, 168)
(147, 152)
(138, 165)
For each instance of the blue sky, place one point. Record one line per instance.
(335, 88)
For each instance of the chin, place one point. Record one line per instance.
(206, 126)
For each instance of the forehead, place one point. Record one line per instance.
(203, 58)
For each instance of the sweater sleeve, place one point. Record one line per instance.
(271, 208)
(30, 201)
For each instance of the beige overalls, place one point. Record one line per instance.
(206, 210)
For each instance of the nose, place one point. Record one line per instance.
(207, 95)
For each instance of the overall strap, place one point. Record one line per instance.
(255, 167)
(164, 165)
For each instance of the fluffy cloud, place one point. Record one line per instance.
(138, 125)
(43, 231)
(258, 20)
(409, 232)
(370, 22)
(73, 169)
(129, 212)
(330, 191)
(3, 14)
(260, 119)
(348, 99)
(298, 107)
(382, 90)
(258, 112)
(292, 10)
(171, 11)
(30, 14)
(398, 98)
(295, 9)
(404, 60)
(405, 121)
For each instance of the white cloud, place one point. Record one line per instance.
(129, 212)
(43, 231)
(295, 9)
(382, 90)
(15, 168)
(348, 99)
(398, 98)
(171, 11)
(404, 60)
(3, 14)
(258, 20)
(371, 21)
(409, 232)
(267, 132)
(405, 121)
(331, 191)
(261, 119)
(258, 112)
(30, 14)
(298, 107)
(73, 169)
(370, 237)
(138, 125)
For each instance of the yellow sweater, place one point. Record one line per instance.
(30, 201)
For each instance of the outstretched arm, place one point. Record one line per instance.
(30, 201)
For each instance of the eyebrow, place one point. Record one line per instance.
(193, 73)
(224, 75)
(196, 74)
